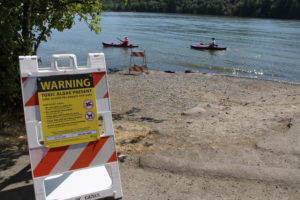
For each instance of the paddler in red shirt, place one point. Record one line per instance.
(125, 42)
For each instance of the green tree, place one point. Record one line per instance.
(24, 24)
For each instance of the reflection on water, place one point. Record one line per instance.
(262, 48)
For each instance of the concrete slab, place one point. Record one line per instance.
(232, 166)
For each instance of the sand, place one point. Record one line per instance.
(197, 136)
(194, 136)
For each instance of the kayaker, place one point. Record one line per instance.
(213, 42)
(125, 42)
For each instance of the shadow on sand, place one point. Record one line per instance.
(20, 193)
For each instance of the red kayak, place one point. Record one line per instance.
(118, 45)
(207, 47)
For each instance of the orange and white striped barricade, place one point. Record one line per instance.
(133, 67)
(64, 167)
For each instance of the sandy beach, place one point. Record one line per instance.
(190, 136)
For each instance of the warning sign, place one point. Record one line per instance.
(68, 109)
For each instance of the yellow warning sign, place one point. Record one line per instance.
(68, 109)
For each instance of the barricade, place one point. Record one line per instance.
(70, 164)
(133, 67)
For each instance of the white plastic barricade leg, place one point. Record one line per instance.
(133, 67)
(68, 159)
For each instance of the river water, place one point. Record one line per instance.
(259, 48)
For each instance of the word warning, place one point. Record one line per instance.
(68, 109)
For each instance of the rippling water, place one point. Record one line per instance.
(261, 48)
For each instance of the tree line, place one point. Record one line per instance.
(282, 9)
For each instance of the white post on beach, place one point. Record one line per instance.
(71, 156)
